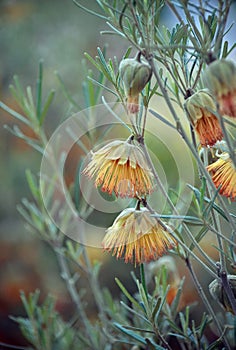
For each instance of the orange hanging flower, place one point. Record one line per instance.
(121, 167)
(199, 109)
(220, 78)
(224, 174)
(138, 236)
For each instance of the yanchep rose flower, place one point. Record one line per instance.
(223, 174)
(121, 167)
(199, 108)
(137, 236)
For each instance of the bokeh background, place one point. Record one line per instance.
(59, 33)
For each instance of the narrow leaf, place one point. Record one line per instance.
(127, 294)
(39, 90)
(158, 116)
(46, 106)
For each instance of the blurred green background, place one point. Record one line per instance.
(59, 33)
(30, 30)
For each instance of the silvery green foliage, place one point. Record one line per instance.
(144, 319)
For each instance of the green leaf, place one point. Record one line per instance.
(39, 90)
(127, 53)
(14, 113)
(211, 204)
(156, 308)
(74, 249)
(29, 103)
(139, 329)
(144, 300)
(138, 314)
(161, 304)
(202, 193)
(32, 183)
(175, 303)
(32, 142)
(103, 86)
(199, 236)
(127, 294)
(65, 91)
(31, 303)
(92, 60)
(130, 333)
(89, 11)
(206, 199)
(163, 119)
(103, 62)
(46, 106)
(137, 337)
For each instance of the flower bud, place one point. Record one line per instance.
(135, 75)
(218, 293)
(200, 109)
(220, 78)
(172, 274)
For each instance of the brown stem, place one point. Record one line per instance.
(206, 302)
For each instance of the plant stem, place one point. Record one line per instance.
(227, 139)
(205, 301)
(164, 192)
(206, 267)
(227, 288)
(222, 269)
(216, 220)
(66, 275)
(159, 335)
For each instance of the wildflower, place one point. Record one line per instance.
(138, 236)
(135, 75)
(218, 293)
(224, 174)
(220, 78)
(120, 166)
(199, 108)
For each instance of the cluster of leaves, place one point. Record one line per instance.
(141, 319)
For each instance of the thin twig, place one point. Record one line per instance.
(205, 301)
(66, 275)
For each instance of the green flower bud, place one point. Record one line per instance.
(134, 75)
(219, 294)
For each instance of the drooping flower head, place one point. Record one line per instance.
(121, 167)
(220, 78)
(223, 174)
(199, 109)
(138, 237)
(134, 75)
